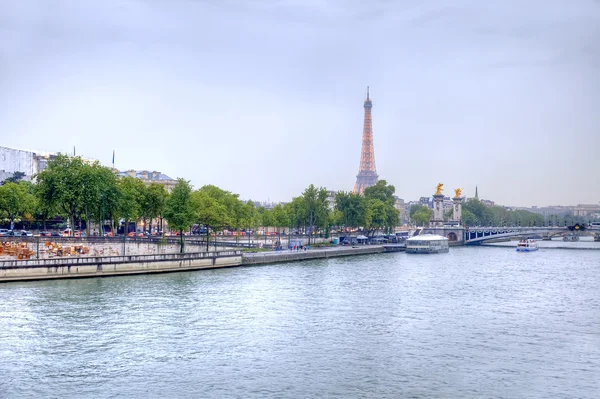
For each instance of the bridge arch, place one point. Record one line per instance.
(452, 236)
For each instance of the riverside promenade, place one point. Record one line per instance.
(105, 266)
(262, 258)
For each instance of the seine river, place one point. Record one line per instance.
(475, 323)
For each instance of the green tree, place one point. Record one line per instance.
(296, 212)
(420, 214)
(249, 216)
(376, 216)
(15, 178)
(208, 211)
(352, 207)
(281, 218)
(233, 205)
(16, 201)
(99, 194)
(384, 193)
(266, 218)
(154, 203)
(179, 210)
(132, 199)
(316, 209)
(61, 186)
(468, 218)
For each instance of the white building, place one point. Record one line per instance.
(28, 162)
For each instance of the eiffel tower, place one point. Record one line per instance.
(367, 173)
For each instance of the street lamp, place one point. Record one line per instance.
(102, 216)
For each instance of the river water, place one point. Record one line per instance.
(473, 323)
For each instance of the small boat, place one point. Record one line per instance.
(527, 245)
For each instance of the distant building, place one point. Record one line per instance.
(586, 209)
(426, 201)
(28, 162)
(547, 211)
(151, 177)
(331, 199)
(400, 205)
(448, 204)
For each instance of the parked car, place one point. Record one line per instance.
(45, 234)
(11, 233)
(55, 234)
(3, 232)
(25, 233)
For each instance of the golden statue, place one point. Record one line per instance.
(440, 188)
(457, 192)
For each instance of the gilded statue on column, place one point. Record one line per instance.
(457, 192)
(440, 188)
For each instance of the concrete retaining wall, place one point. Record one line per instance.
(289, 256)
(41, 269)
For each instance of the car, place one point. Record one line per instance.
(11, 233)
(25, 233)
(3, 232)
(45, 234)
(55, 234)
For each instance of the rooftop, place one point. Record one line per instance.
(427, 237)
(146, 175)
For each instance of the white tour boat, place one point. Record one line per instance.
(427, 244)
(527, 246)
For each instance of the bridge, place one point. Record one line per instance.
(477, 235)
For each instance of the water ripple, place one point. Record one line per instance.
(477, 322)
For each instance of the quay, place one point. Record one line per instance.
(105, 266)
(261, 258)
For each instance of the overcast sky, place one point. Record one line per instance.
(264, 97)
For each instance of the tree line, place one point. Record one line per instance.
(476, 213)
(76, 190)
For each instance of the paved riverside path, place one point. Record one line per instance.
(317, 253)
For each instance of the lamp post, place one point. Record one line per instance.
(102, 216)
(12, 209)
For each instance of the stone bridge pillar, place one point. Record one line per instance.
(437, 219)
(457, 216)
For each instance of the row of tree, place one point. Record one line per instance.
(476, 213)
(81, 191)
(308, 213)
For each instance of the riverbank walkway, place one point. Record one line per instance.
(313, 253)
(104, 266)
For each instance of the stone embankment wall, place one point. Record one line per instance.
(289, 256)
(77, 267)
(106, 247)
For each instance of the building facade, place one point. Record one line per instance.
(586, 209)
(151, 177)
(28, 162)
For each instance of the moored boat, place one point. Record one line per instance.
(527, 245)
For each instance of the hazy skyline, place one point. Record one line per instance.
(263, 98)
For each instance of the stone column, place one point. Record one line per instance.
(437, 219)
(457, 216)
